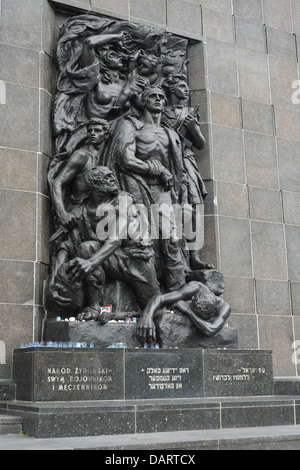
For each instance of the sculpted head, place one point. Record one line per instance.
(98, 130)
(147, 64)
(204, 305)
(153, 99)
(101, 180)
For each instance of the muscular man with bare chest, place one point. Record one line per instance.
(149, 154)
(72, 178)
(151, 159)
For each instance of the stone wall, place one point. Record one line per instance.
(26, 49)
(244, 59)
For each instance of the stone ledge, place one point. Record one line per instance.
(7, 390)
(136, 417)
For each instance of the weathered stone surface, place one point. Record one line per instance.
(295, 288)
(227, 151)
(257, 117)
(291, 203)
(252, 11)
(279, 343)
(222, 67)
(293, 251)
(250, 35)
(265, 204)
(232, 200)
(245, 302)
(273, 297)
(261, 160)
(235, 236)
(253, 75)
(225, 110)
(281, 44)
(268, 243)
(18, 210)
(288, 159)
(217, 25)
(277, 13)
(183, 17)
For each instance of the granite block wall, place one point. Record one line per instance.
(26, 50)
(252, 62)
(244, 59)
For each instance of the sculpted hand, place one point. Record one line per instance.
(137, 85)
(191, 122)
(79, 268)
(119, 39)
(146, 331)
(167, 179)
(68, 220)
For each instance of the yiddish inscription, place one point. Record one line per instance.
(166, 378)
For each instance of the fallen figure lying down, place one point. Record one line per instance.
(205, 310)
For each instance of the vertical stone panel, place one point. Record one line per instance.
(217, 25)
(26, 52)
(276, 333)
(269, 254)
(235, 247)
(277, 13)
(149, 11)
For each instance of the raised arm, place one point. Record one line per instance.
(92, 43)
(193, 130)
(73, 167)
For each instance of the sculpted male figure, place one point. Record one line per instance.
(81, 268)
(149, 165)
(71, 178)
(185, 121)
(206, 311)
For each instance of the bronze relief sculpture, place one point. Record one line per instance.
(125, 187)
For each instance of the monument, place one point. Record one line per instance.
(132, 311)
(127, 195)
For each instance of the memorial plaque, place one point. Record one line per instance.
(238, 373)
(164, 373)
(54, 374)
(71, 374)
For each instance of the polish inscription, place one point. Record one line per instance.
(79, 375)
(80, 379)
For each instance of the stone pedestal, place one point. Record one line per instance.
(68, 392)
(70, 374)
